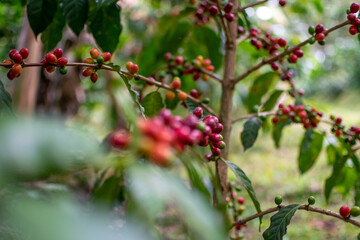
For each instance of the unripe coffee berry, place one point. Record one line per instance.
(311, 30)
(94, 53)
(24, 52)
(345, 211)
(278, 200)
(182, 96)
(355, 211)
(88, 60)
(170, 95)
(311, 200)
(87, 72)
(62, 62)
(63, 70)
(50, 69)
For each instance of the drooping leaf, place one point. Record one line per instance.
(105, 24)
(250, 132)
(5, 103)
(246, 182)
(152, 103)
(53, 33)
(279, 223)
(76, 13)
(310, 149)
(40, 14)
(271, 102)
(134, 94)
(277, 131)
(259, 88)
(171, 104)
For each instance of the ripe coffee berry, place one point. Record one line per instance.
(8, 61)
(351, 17)
(16, 68)
(12, 53)
(214, 137)
(198, 112)
(88, 60)
(106, 56)
(282, 2)
(229, 17)
(353, 30)
(194, 93)
(275, 66)
(282, 42)
(11, 75)
(94, 53)
(94, 77)
(293, 58)
(345, 211)
(320, 37)
(338, 120)
(62, 62)
(167, 56)
(176, 84)
(299, 53)
(354, 8)
(58, 52)
(228, 7)
(319, 28)
(213, 10)
(216, 152)
(51, 58)
(24, 52)
(275, 120)
(182, 96)
(179, 60)
(241, 200)
(17, 58)
(240, 30)
(87, 72)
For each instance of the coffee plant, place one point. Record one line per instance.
(136, 172)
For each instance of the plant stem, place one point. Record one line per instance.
(252, 5)
(303, 207)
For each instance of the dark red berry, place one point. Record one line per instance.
(62, 62)
(24, 52)
(11, 75)
(275, 120)
(208, 157)
(216, 152)
(275, 66)
(285, 110)
(282, 2)
(229, 17)
(215, 137)
(167, 56)
(320, 37)
(218, 128)
(198, 112)
(299, 53)
(354, 8)
(106, 56)
(51, 58)
(213, 10)
(12, 53)
(338, 120)
(353, 30)
(194, 93)
(293, 58)
(228, 7)
(179, 60)
(241, 200)
(17, 58)
(240, 30)
(282, 42)
(94, 77)
(345, 211)
(58, 52)
(351, 17)
(319, 28)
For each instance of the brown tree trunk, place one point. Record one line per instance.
(227, 97)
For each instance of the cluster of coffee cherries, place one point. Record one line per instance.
(318, 34)
(165, 135)
(206, 9)
(98, 59)
(177, 66)
(176, 84)
(53, 60)
(15, 62)
(338, 129)
(236, 205)
(355, 21)
(309, 117)
(346, 212)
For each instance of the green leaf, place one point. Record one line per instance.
(250, 132)
(357, 193)
(171, 104)
(53, 33)
(332, 180)
(76, 13)
(5, 103)
(107, 194)
(271, 102)
(279, 222)
(259, 88)
(134, 94)
(310, 149)
(246, 182)
(105, 25)
(152, 103)
(40, 14)
(277, 131)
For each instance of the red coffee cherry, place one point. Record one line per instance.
(119, 139)
(198, 112)
(17, 58)
(134, 69)
(8, 61)
(293, 58)
(353, 30)
(176, 83)
(229, 17)
(218, 128)
(282, 3)
(241, 200)
(11, 75)
(345, 211)
(320, 37)
(338, 120)
(12, 53)
(58, 52)
(215, 137)
(240, 30)
(16, 68)
(194, 93)
(179, 60)
(167, 56)
(228, 7)
(94, 53)
(299, 53)
(88, 60)
(24, 52)
(106, 56)
(275, 66)
(354, 8)
(51, 58)
(319, 28)
(62, 61)
(282, 42)
(87, 72)
(216, 152)
(351, 17)
(94, 77)
(213, 10)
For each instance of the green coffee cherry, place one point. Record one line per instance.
(206, 100)
(312, 40)
(63, 70)
(278, 200)
(355, 211)
(311, 200)
(311, 30)
(100, 60)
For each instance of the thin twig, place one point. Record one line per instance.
(284, 53)
(109, 68)
(252, 5)
(224, 26)
(211, 74)
(302, 207)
